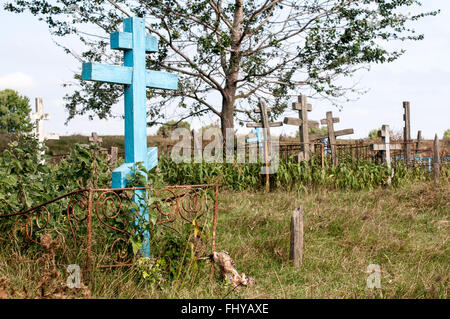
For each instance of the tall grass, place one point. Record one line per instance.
(291, 174)
(404, 230)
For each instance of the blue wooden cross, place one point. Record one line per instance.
(135, 77)
(259, 136)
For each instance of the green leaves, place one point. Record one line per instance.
(218, 47)
(136, 243)
(14, 111)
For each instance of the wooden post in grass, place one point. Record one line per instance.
(419, 140)
(114, 154)
(263, 110)
(407, 132)
(436, 160)
(303, 123)
(332, 134)
(296, 253)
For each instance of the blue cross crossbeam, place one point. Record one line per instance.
(259, 136)
(134, 43)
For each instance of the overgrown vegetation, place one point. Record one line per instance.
(352, 220)
(293, 175)
(404, 230)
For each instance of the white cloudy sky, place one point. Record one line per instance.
(31, 63)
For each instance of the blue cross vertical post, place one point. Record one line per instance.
(136, 78)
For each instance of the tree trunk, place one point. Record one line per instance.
(232, 73)
(227, 114)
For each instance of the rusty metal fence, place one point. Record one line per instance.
(98, 220)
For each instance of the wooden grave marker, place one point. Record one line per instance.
(385, 147)
(436, 160)
(418, 141)
(265, 125)
(134, 42)
(97, 140)
(114, 155)
(39, 117)
(332, 134)
(296, 244)
(303, 123)
(407, 132)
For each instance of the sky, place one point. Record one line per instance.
(32, 64)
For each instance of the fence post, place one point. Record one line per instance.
(436, 160)
(407, 132)
(296, 253)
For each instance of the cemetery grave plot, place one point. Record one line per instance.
(110, 228)
(104, 224)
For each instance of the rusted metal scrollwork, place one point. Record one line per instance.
(101, 217)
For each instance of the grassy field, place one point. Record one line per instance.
(405, 231)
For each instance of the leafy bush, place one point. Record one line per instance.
(14, 110)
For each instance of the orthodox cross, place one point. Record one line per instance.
(303, 123)
(136, 78)
(265, 125)
(95, 139)
(39, 116)
(332, 134)
(385, 147)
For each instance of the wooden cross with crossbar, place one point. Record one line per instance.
(332, 134)
(97, 140)
(266, 125)
(304, 124)
(385, 147)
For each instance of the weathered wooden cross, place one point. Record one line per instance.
(436, 159)
(332, 134)
(136, 78)
(304, 124)
(385, 147)
(265, 125)
(418, 141)
(95, 139)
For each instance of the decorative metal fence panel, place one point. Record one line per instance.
(99, 221)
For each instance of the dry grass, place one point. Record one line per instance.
(405, 231)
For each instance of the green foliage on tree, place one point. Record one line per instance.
(373, 135)
(167, 128)
(237, 50)
(215, 125)
(313, 130)
(14, 111)
(447, 135)
(321, 130)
